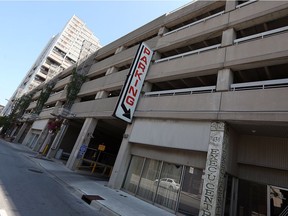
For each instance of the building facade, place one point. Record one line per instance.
(75, 42)
(209, 133)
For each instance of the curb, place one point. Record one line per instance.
(79, 194)
(103, 209)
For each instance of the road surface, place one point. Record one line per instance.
(27, 190)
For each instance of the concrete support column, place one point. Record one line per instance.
(230, 5)
(111, 70)
(41, 139)
(162, 31)
(213, 187)
(122, 161)
(119, 49)
(228, 37)
(147, 87)
(59, 104)
(82, 140)
(27, 137)
(224, 80)
(56, 143)
(156, 56)
(101, 94)
(21, 131)
(13, 131)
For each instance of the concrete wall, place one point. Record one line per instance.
(124, 57)
(54, 98)
(256, 51)
(183, 157)
(39, 124)
(263, 159)
(97, 108)
(109, 82)
(171, 134)
(61, 83)
(190, 66)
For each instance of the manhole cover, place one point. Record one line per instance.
(35, 170)
(88, 198)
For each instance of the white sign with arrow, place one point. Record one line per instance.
(132, 88)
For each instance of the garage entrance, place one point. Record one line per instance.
(101, 153)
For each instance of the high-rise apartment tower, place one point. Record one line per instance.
(62, 51)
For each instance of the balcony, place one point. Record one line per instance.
(46, 113)
(258, 105)
(110, 82)
(36, 95)
(122, 58)
(60, 111)
(32, 105)
(103, 108)
(267, 84)
(62, 83)
(54, 97)
(196, 106)
(56, 57)
(196, 63)
(258, 51)
(258, 11)
(39, 73)
(29, 117)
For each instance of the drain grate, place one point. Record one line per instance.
(88, 198)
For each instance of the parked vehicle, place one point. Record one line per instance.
(168, 183)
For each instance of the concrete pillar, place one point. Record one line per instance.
(213, 187)
(228, 37)
(156, 56)
(111, 70)
(49, 139)
(101, 94)
(224, 80)
(59, 104)
(27, 137)
(119, 49)
(147, 87)
(82, 140)
(41, 139)
(162, 31)
(13, 131)
(56, 143)
(230, 5)
(122, 161)
(21, 131)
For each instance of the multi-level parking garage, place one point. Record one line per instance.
(209, 134)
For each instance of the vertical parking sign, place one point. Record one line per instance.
(131, 90)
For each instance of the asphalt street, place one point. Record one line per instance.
(26, 189)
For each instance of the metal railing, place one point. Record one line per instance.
(189, 53)
(186, 91)
(261, 35)
(277, 83)
(194, 23)
(245, 3)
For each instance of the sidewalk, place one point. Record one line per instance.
(109, 201)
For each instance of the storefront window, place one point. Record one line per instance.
(169, 185)
(190, 195)
(148, 185)
(252, 199)
(159, 182)
(133, 175)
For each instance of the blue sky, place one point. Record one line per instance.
(26, 27)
